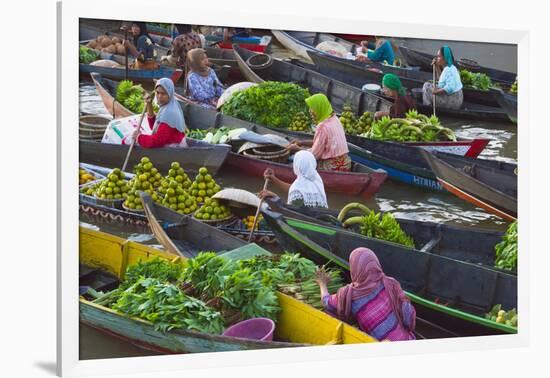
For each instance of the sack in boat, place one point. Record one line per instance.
(106, 63)
(332, 48)
(120, 128)
(226, 95)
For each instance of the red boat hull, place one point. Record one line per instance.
(355, 183)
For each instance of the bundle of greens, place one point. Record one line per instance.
(87, 55)
(131, 96)
(506, 252)
(354, 126)
(497, 314)
(414, 128)
(376, 225)
(308, 290)
(473, 80)
(514, 88)
(270, 103)
(167, 307)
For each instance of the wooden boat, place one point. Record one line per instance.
(453, 294)
(252, 43)
(337, 92)
(362, 180)
(298, 324)
(489, 184)
(465, 244)
(424, 61)
(508, 102)
(358, 74)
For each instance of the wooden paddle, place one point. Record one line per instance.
(134, 140)
(156, 228)
(257, 213)
(433, 95)
(125, 28)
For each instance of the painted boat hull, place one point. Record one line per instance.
(509, 103)
(427, 278)
(493, 188)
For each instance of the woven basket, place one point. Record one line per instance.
(92, 127)
(259, 62)
(271, 153)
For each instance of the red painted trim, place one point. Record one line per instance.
(476, 147)
(476, 201)
(248, 46)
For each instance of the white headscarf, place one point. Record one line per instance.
(171, 113)
(308, 185)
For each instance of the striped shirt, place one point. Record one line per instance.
(375, 315)
(329, 140)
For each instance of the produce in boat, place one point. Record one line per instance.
(212, 210)
(300, 122)
(204, 186)
(506, 252)
(84, 176)
(497, 314)
(115, 186)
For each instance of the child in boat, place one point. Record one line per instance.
(448, 91)
(329, 145)
(307, 189)
(403, 102)
(142, 48)
(168, 125)
(202, 82)
(375, 301)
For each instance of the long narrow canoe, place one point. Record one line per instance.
(508, 102)
(460, 243)
(362, 180)
(337, 92)
(491, 185)
(113, 155)
(447, 292)
(357, 74)
(298, 324)
(424, 61)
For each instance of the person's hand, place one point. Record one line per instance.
(434, 60)
(361, 58)
(126, 43)
(266, 194)
(269, 175)
(321, 276)
(378, 115)
(148, 98)
(293, 147)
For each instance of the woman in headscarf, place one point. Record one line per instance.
(383, 51)
(403, 102)
(202, 82)
(142, 48)
(448, 91)
(329, 145)
(307, 190)
(168, 125)
(375, 301)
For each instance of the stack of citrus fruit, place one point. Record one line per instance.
(212, 210)
(84, 176)
(146, 171)
(177, 198)
(113, 187)
(204, 186)
(175, 173)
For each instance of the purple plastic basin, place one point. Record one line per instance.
(255, 329)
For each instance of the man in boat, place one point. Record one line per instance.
(142, 47)
(329, 145)
(307, 190)
(402, 101)
(373, 300)
(168, 125)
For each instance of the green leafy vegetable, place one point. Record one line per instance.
(87, 55)
(270, 103)
(506, 252)
(131, 96)
(478, 81)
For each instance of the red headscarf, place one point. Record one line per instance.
(366, 275)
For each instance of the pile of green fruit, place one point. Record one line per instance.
(506, 252)
(139, 183)
(131, 96)
(414, 128)
(204, 186)
(300, 122)
(176, 173)
(497, 314)
(473, 80)
(348, 120)
(178, 199)
(270, 103)
(212, 210)
(514, 88)
(375, 225)
(113, 187)
(146, 171)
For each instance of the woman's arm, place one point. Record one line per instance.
(196, 90)
(163, 136)
(269, 175)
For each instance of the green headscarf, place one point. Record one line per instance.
(320, 105)
(391, 81)
(448, 55)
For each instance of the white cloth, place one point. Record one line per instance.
(308, 185)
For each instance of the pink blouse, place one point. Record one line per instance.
(329, 140)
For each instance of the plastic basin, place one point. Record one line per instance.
(255, 329)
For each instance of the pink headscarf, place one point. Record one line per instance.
(366, 275)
